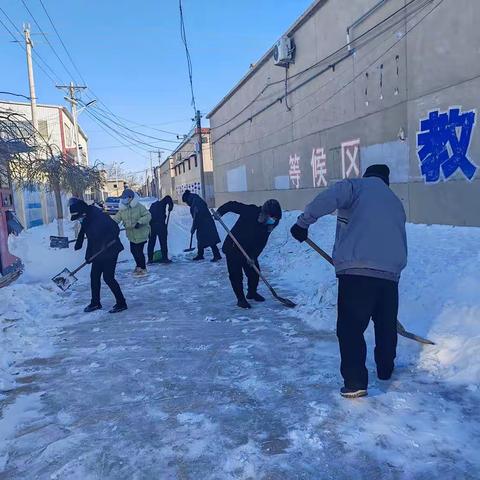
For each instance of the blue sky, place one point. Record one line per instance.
(131, 55)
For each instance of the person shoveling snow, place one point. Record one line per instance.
(370, 253)
(102, 252)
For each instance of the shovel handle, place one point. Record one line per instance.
(321, 252)
(93, 257)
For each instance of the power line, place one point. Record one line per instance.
(183, 35)
(22, 46)
(83, 79)
(61, 41)
(15, 94)
(331, 60)
(47, 40)
(341, 88)
(121, 125)
(268, 106)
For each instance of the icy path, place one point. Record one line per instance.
(186, 386)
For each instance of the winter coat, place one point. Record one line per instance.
(132, 214)
(371, 234)
(100, 230)
(203, 223)
(251, 234)
(158, 212)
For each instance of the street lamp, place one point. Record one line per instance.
(75, 113)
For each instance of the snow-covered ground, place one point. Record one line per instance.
(185, 386)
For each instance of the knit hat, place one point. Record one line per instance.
(273, 209)
(127, 193)
(379, 171)
(78, 208)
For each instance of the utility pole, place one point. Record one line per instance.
(31, 80)
(198, 122)
(72, 88)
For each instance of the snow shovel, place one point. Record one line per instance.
(285, 301)
(65, 279)
(60, 242)
(190, 249)
(400, 328)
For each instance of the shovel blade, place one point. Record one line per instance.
(189, 250)
(64, 280)
(288, 303)
(58, 242)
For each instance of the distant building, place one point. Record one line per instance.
(114, 188)
(181, 170)
(55, 124)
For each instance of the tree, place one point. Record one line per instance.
(30, 161)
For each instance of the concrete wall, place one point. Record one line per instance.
(367, 108)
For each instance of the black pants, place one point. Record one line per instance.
(138, 255)
(215, 251)
(105, 267)
(359, 299)
(160, 232)
(237, 264)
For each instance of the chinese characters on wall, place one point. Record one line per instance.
(350, 165)
(443, 142)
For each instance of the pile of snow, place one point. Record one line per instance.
(439, 291)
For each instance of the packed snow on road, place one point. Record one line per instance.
(185, 385)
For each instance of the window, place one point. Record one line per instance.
(114, 185)
(43, 128)
(189, 165)
(196, 161)
(204, 139)
(183, 165)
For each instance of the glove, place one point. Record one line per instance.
(216, 215)
(192, 230)
(299, 233)
(78, 245)
(137, 225)
(170, 208)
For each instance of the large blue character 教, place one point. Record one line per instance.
(443, 144)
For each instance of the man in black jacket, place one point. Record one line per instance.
(102, 232)
(158, 228)
(251, 230)
(203, 225)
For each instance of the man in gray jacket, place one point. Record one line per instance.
(369, 254)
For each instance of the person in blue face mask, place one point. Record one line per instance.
(252, 230)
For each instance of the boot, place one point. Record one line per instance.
(216, 258)
(255, 296)
(118, 307)
(353, 392)
(165, 260)
(242, 303)
(92, 307)
(142, 272)
(198, 257)
(136, 272)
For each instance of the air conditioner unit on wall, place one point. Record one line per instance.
(283, 52)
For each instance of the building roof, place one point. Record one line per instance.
(44, 105)
(298, 23)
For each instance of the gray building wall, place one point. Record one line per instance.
(410, 58)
